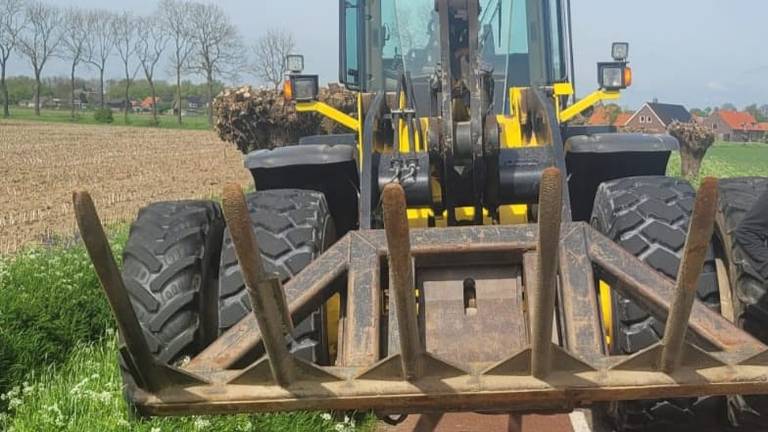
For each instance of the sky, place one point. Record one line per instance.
(695, 52)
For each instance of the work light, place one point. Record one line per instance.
(304, 87)
(294, 63)
(620, 51)
(614, 75)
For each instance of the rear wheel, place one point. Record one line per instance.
(749, 290)
(292, 228)
(649, 217)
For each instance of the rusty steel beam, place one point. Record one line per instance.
(653, 291)
(265, 291)
(694, 253)
(401, 279)
(111, 281)
(550, 206)
(461, 393)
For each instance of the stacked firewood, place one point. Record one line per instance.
(255, 119)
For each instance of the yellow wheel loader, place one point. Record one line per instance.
(462, 248)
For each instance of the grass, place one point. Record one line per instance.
(85, 394)
(50, 301)
(58, 354)
(166, 121)
(726, 159)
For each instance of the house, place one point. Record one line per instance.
(655, 117)
(735, 126)
(601, 116)
(191, 104)
(148, 103)
(622, 119)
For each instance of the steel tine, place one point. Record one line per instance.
(263, 289)
(401, 279)
(543, 302)
(694, 253)
(112, 282)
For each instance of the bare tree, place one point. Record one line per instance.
(40, 40)
(11, 24)
(101, 43)
(74, 40)
(124, 28)
(150, 44)
(218, 48)
(270, 51)
(176, 15)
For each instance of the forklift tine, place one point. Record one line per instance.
(112, 282)
(550, 210)
(401, 280)
(694, 254)
(265, 291)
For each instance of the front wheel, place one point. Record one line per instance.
(649, 217)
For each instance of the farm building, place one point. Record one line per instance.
(654, 117)
(736, 126)
(601, 116)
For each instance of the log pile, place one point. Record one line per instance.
(695, 139)
(254, 119)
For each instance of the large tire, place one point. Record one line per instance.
(292, 227)
(749, 290)
(649, 217)
(170, 267)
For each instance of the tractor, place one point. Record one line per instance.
(464, 247)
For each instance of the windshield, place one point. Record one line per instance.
(404, 36)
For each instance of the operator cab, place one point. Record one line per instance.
(382, 39)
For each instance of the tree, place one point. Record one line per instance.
(218, 48)
(150, 44)
(270, 52)
(176, 16)
(11, 24)
(695, 139)
(101, 43)
(74, 40)
(756, 112)
(124, 29)
(40, 40)
(728, 107)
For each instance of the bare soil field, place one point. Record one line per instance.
(124, 168)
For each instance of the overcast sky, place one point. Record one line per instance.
(695, 52)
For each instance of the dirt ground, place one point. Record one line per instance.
(124, 168)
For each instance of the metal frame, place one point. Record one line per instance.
(542, 376)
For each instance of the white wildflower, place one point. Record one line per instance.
(326, 416)
(155, 429)
(201, 423)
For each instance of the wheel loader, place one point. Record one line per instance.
(464, 247)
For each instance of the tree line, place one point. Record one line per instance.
(193, 38)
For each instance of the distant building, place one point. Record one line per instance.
(654, 117)
(735, 126)
(602, 117)
(191, 104)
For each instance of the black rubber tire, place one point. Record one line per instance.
(749, 290)
(170, 267)
(649, 217)
(292, 227)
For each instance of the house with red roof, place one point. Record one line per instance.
(735, 126)
(602, 117)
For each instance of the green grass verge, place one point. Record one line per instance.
(85, 394)
(194, 122)
(724, 160)
(58, 357)
(50, 301)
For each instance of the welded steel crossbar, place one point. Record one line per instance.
(552, 370)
